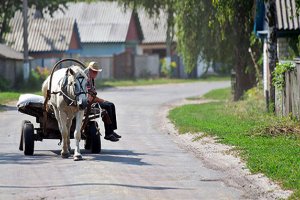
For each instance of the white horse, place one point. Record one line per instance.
(68, 100)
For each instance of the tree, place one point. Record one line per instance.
(9, 7)
(272, 48)
(217, 30)
(239, 15)
(199, 34)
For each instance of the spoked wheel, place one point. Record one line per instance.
(93, 139)
(27, 138)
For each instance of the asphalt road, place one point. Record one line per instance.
(145, 164)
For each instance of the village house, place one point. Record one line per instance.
(49, 40)
(11, 65)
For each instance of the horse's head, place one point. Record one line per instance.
(77, 82)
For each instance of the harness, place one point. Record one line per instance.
(64, 89)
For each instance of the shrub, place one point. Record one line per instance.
(4, 84)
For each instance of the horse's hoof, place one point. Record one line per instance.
(77, 157)
(65, 155)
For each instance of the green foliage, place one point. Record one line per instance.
(246, 126)
(35, 81)
(167, 71)
(4, 84)
(9, 7)
(279, 73)
(217, 31)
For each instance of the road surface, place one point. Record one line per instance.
(145, 164)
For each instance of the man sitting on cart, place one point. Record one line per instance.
(109, 112)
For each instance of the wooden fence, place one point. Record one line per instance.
(287, 101)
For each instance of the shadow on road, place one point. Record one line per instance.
(119, 156)
(44, 156)
(7, 108)
(17, 159)
(94, 184)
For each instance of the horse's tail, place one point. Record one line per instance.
(45, 87)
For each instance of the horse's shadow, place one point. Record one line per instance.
(109, 155)
(7, 107)
(127, 157)
(120, 156)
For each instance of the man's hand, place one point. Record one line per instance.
(92, 92)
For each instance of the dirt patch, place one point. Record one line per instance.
(223, 158)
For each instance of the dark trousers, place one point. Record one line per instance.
(111, 110)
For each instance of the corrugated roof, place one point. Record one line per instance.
(287, 18)
(154, 28)
(7, 52)
(43, 34)
(98, 22)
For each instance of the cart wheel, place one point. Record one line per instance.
(95, 139)
(28, 138)
(87, 142)
(21, 138)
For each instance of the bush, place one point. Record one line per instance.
(4, 84)
(35, 81)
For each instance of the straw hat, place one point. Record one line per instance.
(94, 66)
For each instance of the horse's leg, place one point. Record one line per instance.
(62, 119)
(69, 123)
(77, 136)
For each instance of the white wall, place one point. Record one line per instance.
(146, 65)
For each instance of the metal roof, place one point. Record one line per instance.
(98, 22)
(287, 18)
(7, 52)
(154, 28)
(43, 34)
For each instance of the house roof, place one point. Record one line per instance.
(98, 22)
(154, 28)
(7, 52)
(287, 18)
(43, 34)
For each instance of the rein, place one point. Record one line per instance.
(64, 90)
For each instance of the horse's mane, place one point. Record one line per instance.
(79, 70)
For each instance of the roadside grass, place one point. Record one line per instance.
(6, 97)
(269, 144)
(218, 94)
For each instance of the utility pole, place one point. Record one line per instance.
(272, 50)
(26, 69)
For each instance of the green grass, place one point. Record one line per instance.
(218, 94)
(8, 96)
(244, 125)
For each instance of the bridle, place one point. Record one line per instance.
(78, 89)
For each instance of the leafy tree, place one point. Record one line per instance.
(217, 30)
(239, 15)
(9, 7)
(199, 34)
